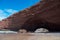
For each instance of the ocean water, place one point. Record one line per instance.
(3, 32)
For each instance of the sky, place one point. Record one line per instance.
(9, 7)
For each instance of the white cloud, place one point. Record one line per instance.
(1, 11)
(6, 12)
(2, 18)
(11, 10)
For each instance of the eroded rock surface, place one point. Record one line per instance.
(45, 14)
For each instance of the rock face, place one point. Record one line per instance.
(45, 14)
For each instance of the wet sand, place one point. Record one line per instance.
(30, 36)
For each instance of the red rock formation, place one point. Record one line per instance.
(45, 14)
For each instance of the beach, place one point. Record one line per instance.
(30, 36)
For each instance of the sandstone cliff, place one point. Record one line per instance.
(45, 14)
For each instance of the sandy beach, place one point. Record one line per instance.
(30, 36)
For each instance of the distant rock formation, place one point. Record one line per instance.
(45, 14)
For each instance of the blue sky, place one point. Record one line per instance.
(9, 7)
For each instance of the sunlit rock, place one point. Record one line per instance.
(41, 30)
(22, 31)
